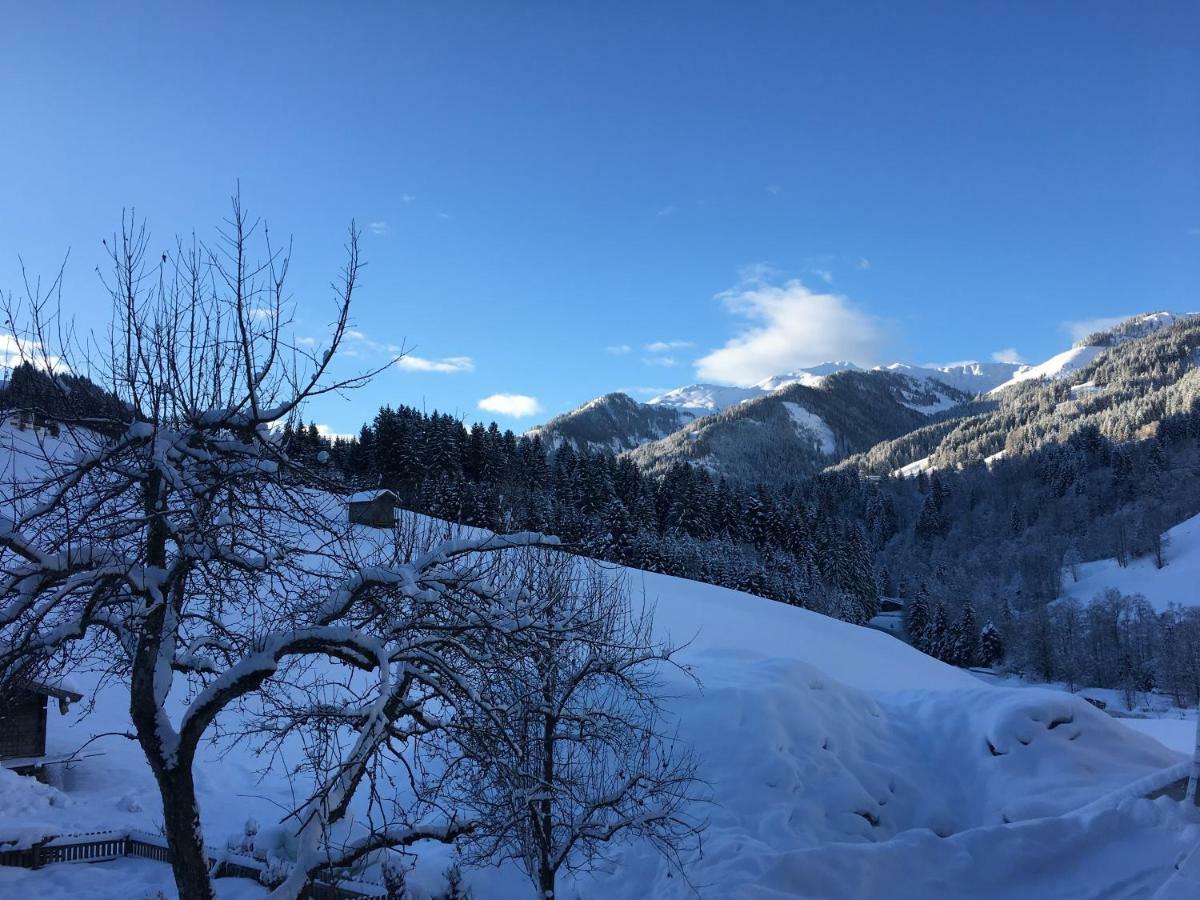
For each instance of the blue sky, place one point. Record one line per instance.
(562, 199)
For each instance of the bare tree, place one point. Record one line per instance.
(582, 760)
(168, 541)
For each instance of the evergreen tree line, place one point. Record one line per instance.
(788, 543)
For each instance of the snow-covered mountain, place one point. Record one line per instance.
(616, 422)
(1121, 382)
(612, 423)
(1060, 365)
(705, 399)
(799, 429)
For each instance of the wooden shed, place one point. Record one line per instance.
(374, 508)
(23, 721)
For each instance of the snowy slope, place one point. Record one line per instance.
(811, 424)
(1178, 582)
(969, 377)
(1058, 366)
(834, 753)
(841, 763)
(705, 399)
(1063, 364)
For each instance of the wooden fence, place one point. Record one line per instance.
(103, 846)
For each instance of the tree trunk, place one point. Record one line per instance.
(172, 765)
(181, 817)
(546, 810)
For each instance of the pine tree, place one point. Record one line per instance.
(454, 886)
(937, 634)
(395, 880)
(916, 617)
(991, 647)
(964, 640)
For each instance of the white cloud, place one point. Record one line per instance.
(664, 361)
(774, 189)
(262, 313)
(863, 263)
(444, 216)
(1078, 329)
(407, 198)
(379, 227)
(666, 346)
(788, 327)
(451, 364)
(516, 405)
(824, 274)
(1007, 355)
(618, 349)
(13, 352)
(326, 432)
(667, 210)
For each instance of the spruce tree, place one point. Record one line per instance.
(916, 617)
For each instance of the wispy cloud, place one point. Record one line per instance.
(1078, 329)
(618, 349)
(1007, 355)
(787, 326)
(824, 274)
(668, 210)
(359, 344)
(516, 406)
(444, 216)
(774, 189)
(379, 227)
(666, 346)
(407, 198)
(663, 361)
(448, 364)
(863, 264)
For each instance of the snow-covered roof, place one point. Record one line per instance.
(369, 496)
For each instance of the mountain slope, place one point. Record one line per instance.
(616, 422)
(1122, 382)
(798, 430)
(612, 423)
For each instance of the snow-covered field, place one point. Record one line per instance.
(842, 763)
(1178, 582)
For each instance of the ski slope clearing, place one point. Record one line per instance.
(841, 762)
(1176, 583)
(1058, 366)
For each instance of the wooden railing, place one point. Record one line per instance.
(102, 846)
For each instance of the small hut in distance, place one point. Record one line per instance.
(376, 509)
(23, 723)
